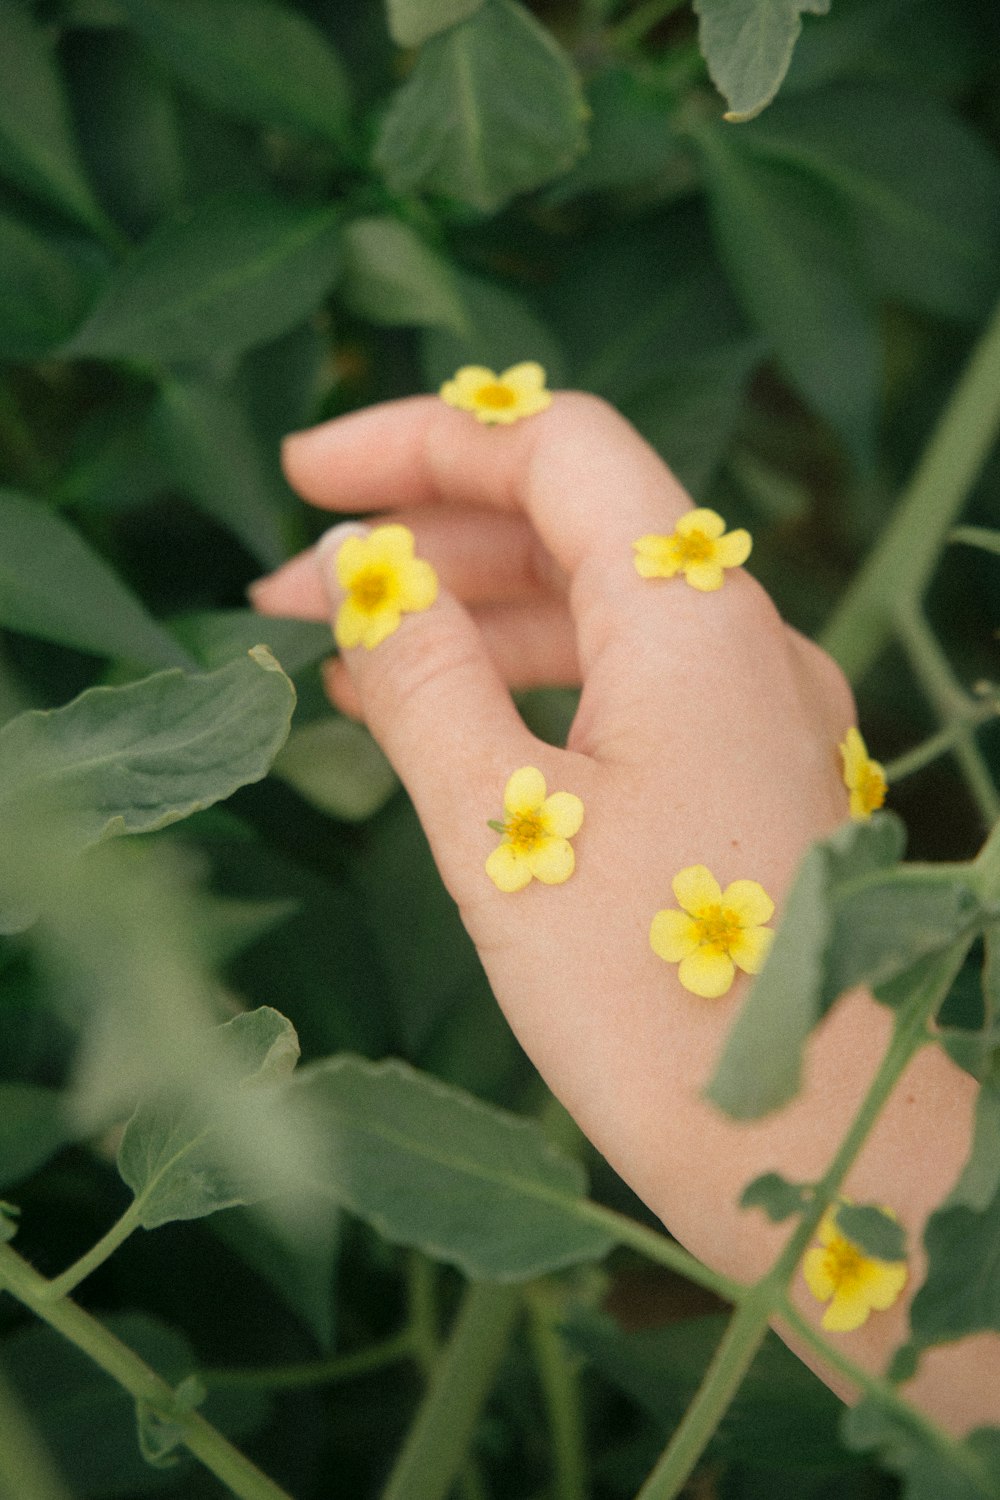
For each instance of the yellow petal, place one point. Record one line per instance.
(749, 901)
(855, 756)
(816, 1272)
(418, 586)
(461, 390)
(551, 861)
(695, 888)
(379, 626)
(706, 577)
(827, 1231)
(884, 1283)
(847, 1311)
(750, 950)
(707, 973)
(655, 557)
(673, 935)
(524, 792)
(734, 548)
(349, 626)
(707, 521)
(507, 870)
(392, 544)
(562, 814)
(527, 378)
(352, 556)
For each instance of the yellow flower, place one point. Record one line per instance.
(518, 392)
(382, 581)
(697, 548)
(854, 1284)
(864, 778)
(536, 832)
(715, 933)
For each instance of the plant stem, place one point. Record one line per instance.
(315, 1372)
(116, 1359)
(983, 537)
(560, 1390)
(940, 743)
(986, 869)
(663, 1251)
(61, 1285)
(899, 566)
(631, 31)
(25, 1467)
(437, 1444)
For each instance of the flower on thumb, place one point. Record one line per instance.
(381, 580)
(536, 832)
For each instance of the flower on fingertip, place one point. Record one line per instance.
(381, 580)
(853, 1284)
(699, 547)
(715, 932)
(505, 398)
(864, 778)
(536, 832)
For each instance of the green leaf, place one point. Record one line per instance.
(336, 765)
(300, 1269)
(493, 108)
(215, 637)
(501, 330)
(873, 1230)
(9, 1215)
(411, 22)
(430, 1166)
(930, 1470)
(177, 1154)
(961, 1293)
(778, 1197)
(391, 276)
(203, 435)
(131, 759)
(37, 149)
(921, 189)
(258, 61)
(631, 136)
(791, 255)
(53, 585)
(47, 290)
(979, 1183)
(237, 271)
(33, 1127)
(748, 45)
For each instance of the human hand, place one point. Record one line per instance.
(707, 733)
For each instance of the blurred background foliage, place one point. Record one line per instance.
(221, 220)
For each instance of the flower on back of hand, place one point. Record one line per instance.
(699, 547)
(518, 392)
(864, 778)
(715, 932)
(536, 832)
(853, 1284)
(381, 580)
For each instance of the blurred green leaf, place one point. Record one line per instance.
(301, 1269)
(177, 1154)
(37, 149)
(631, 135)
(501, 330)
(216, 636)
(203, 436)
(492, 108)
(336, 765)
(33, 1127)
(961, 1292)
(946, 1470)
(391, 276)
(48, 287)
(134, 758)
(413, 21)
(235, 271)
(979, 1183)
(430, 1166)
(922, 189)
(250, 58)
(53, 585)
(778, 1197)
(748, 46)
(9, 1216)
(872, 1230)
(790, 252)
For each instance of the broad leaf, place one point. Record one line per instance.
(33, 1127)
(215, 637)
(53, 585)
(391, 276)
(968, 1470)
(239, 270)
(47, 288)
(429, 1165)
(872, 1230)
(336, 765)
(180, 1155)
(300, 1269)
(493, 108)
(979, 1183)
(37, 149)
(748, 45)
(413, 21)
(961, 1293)
(257, 60)
(778, 1197)
(501, 330)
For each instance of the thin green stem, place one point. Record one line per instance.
(368, 1361)
(61, 1286)
(899, 566)
(561, 1394)
(940, 743)
(664, 1252)
(116, 1359)
(25, 1467)
(421, 1275)
(437, 1444)
(631, 31)
(982, 537)
(986, 869)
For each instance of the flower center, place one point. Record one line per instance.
(496, 396)
(370, 589)
(718, 928)
(524, 830)
(695, 547)
(844, 1262)
(872, 788)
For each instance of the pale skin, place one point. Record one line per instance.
(707, 733)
